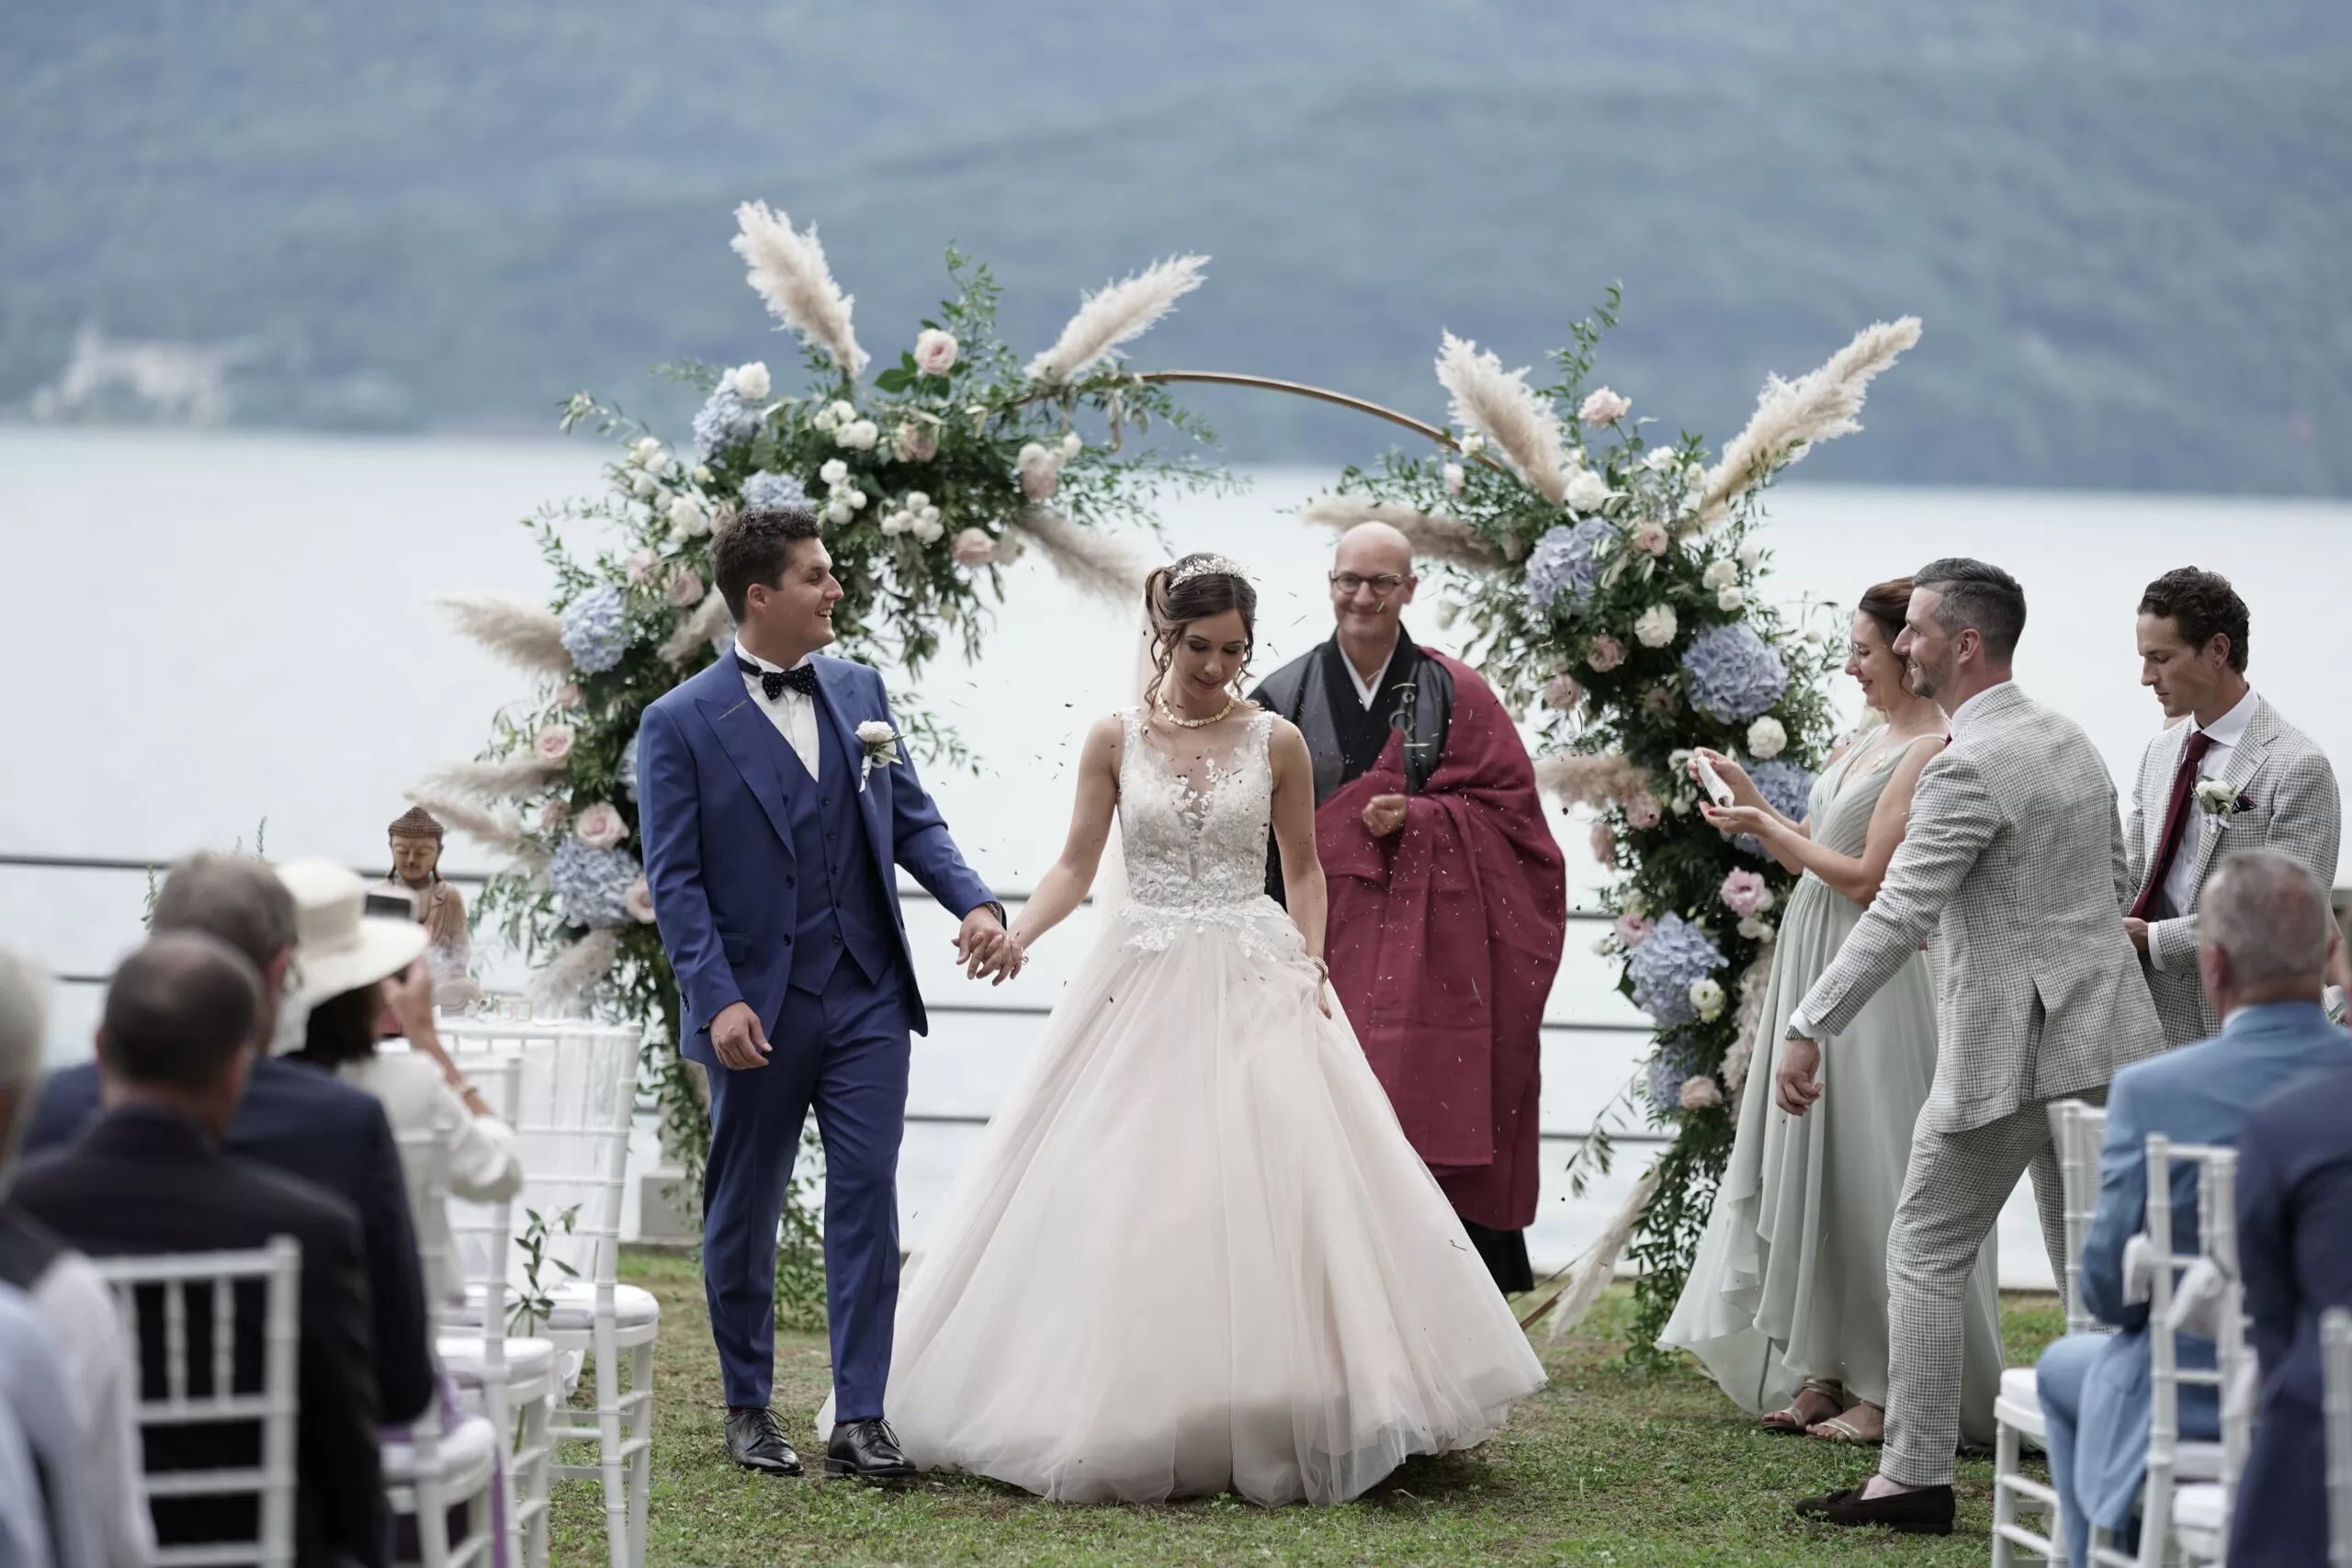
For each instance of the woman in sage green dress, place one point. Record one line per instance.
(1785, 1305)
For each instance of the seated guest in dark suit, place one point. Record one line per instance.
(296, 1117)
(151, 1175)
(2263, 937)
(2295, 1255)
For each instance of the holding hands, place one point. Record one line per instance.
(988, 950)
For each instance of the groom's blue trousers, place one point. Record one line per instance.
(845, 1053)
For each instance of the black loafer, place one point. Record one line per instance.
(868, 1450)
(1927, 1511)
(756, 1442)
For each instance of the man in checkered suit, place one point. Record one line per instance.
(2014, 862)
(2234, 776)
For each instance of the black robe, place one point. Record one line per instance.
(1345, 738)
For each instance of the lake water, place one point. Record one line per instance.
(210, 631)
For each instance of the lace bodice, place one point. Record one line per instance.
(1193, 826)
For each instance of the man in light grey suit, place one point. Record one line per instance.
(2014, 860)
(2270, 788)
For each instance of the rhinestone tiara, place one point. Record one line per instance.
(1205, 566)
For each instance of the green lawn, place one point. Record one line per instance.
(1605, 1466)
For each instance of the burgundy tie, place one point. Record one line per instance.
(2184, 784)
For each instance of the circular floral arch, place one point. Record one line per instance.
(1609, 584)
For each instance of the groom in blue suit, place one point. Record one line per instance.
(2263, 937)
(775, 800)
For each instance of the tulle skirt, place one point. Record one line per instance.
(1197, 1253)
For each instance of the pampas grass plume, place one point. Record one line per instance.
(556, 987)
(503, 780)
(531, 634)
(1793, 417)
(1598, 1265)
(1595, 781)
(707, 623)
(1117, 313)
(788, 271)
(1434, 535)
(500, 830)
(1087, 559)
(1502, 407)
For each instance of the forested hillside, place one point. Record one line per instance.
(2127, 223)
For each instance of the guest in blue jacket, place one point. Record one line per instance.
(2295, 1254)
(2262, 950)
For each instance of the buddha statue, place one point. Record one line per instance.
(416, 838)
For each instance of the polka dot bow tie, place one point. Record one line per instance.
(802, 680)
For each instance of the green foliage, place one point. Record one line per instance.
(534, 1304)
(1633, 703)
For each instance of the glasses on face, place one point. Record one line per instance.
(1387, 583)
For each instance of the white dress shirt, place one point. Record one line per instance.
(1366, 691)
(2180, 880)
(793, 715)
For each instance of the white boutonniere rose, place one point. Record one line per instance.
(879, 744)
(2216, 798)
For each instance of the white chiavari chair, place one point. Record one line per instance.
(513, 1380)
(2194, 1293)
(166, 1284)
(576, 1100)
(2079, 1130)
(430, 1474)
(2335, 1358)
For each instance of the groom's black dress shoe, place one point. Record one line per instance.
(868, 1450)
(1926, 1511)
(756, 1442)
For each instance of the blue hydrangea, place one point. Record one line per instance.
(1676, 954)
(1734, 673)
(767, 489)
(1562, 568)
(595, 630)
(628, 767)
(592, 885)
(725, 420)
(1787, 787)
(1675, 1062)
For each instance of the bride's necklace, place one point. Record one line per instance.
(1172, 717)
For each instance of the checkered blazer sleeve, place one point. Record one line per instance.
(1954, 817)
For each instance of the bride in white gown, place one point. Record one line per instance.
(1196, 1253)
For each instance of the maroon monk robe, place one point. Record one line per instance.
(1443, 940)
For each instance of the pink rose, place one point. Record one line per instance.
(638, 902)
(552, 743)
(600, 826)
(1604, 843)
(555, 816)
(1634, 930)
(1605, 654)
(1041, 471)
(1652, 539)
(914, 444)
(1562, 691)
(641, 565)
(1701, 1092)
(1744, 892)
(934, 351)
(687, 588)
(972, 548)
(1642, 812)
(1604, 407)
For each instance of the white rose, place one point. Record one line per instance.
(1071, 445)
(1658, 459)
(875, 732)
(858, 435)
(1755, 930)
(1453, 478)
(894, 524)
(934, 351)
(1813, 635)
(1604, 407)
(928, 527)
(1587, 492)
(1750, 553)
(837, 510)
(856, 499)
(1657, 627)
(834, 471)
(1707, 996)
(1473, 444)
(688, 518)
(702, 473)
(645, 451)
(1720, 574)
(2216, 796)
(917, 501)
(643, 488)
(840, 413)
(1767, 739)
(751, 382)
(1731, 599)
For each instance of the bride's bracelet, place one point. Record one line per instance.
(1322, 971)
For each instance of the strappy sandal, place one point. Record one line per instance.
(1791, 1422)
(1841, 1428)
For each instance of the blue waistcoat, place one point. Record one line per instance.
(841, 905)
